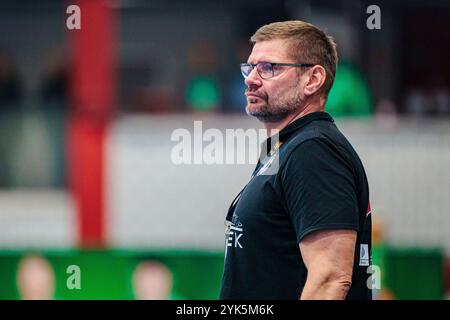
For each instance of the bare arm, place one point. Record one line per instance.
(328, 256)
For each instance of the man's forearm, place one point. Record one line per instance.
(315, 289)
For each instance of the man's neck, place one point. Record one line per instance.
(314, 106)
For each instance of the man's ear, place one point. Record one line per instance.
(317, 76)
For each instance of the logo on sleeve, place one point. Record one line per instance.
(369, 209)
(364, 255)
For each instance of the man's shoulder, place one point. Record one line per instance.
(317, 141)
(314, 133)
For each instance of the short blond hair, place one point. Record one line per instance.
(309, 45)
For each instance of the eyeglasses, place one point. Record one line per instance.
(266, 69)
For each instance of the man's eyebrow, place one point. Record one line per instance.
(256, 62)
(269, 60)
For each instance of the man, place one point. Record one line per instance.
(305, 231)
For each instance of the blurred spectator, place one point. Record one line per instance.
(10, 105)
(350, 95)
(152, 281)
(54, 101)
(203, 87)
(143, 87)
(440, 95)
(235, 100)
(442, 101)
(35, 278)
(10, 86)
(54, 88)
(386, 114)
(430, 100)
(154, 99)
(417, 103)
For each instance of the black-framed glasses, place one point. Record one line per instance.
(266, 69)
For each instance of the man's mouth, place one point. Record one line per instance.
(253, 99)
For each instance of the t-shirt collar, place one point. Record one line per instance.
(287, 131)
(301, 122)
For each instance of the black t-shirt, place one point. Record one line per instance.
(319, 184)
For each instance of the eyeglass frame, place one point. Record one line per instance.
(272, 64)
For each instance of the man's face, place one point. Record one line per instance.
(273, 99)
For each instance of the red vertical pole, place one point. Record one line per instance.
(92, 87)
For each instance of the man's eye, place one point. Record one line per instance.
(276, 68)
(266, 67)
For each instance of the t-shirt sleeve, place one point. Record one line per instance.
(319, 189)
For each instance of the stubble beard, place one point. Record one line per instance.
(278, 110)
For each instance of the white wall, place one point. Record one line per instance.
(153, 202)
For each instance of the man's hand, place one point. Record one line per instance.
(328, 256)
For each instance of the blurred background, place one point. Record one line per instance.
(86, 117)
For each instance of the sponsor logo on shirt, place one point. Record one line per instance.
(235, 233)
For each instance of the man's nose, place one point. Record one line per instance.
(253, 79)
